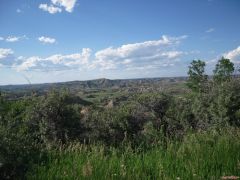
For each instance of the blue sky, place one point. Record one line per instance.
(63, 40)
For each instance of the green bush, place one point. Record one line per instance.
(17, 145)
(53, 119)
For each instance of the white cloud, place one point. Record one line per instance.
(57, 5)
(210, 30)
(5, 53)
(233, 55)
(67, 4)
(54, 62)
(14, 38)
(153, 54)
(71, 59)
(50, 8)
(28, 63)
(46, 40)
(139, 53)
(1, 38)
(172, 54)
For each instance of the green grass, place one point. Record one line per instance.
(199, 156)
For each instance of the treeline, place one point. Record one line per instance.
(33, 125)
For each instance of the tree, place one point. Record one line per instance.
(223, 71)
(54, 119)
(197, 77)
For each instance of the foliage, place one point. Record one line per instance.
(197, 77)
(53, 119)
(17, 145)
(223, 71)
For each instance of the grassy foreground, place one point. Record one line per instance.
(198, 156)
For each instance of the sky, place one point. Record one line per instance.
(45, 41)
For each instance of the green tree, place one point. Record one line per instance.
(223, 71)
(197, 77)
(54, 119)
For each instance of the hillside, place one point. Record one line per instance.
(95, 84)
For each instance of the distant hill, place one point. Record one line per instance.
(94, 84)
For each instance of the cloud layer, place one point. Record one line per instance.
(148, 54)
(54, 62)
(143, 57)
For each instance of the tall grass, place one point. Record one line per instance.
(198, 156)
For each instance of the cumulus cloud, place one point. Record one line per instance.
(1, 38)
(54, 62)
(50, 8)
(28, 63)
(57, 5)
(5, 53)
(153, 54)
(233, 55)
(67, 4)
(210, 30)
(47, 40)
(156, 52)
